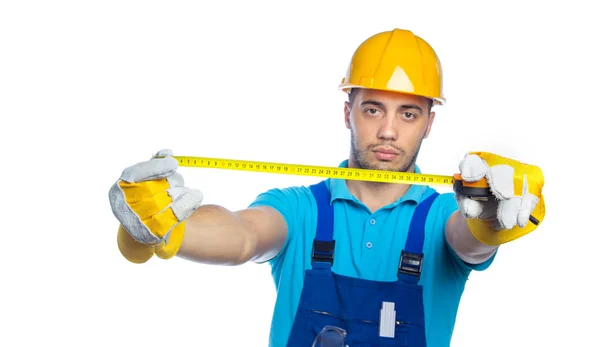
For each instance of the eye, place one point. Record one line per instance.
(371, 111)
(409, 115)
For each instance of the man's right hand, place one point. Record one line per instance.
(151, 204)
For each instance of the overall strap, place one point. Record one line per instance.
(323, 244)
(411, 260)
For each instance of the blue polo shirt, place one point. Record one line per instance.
(363, 240)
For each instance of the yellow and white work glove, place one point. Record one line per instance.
(151, 204)
(517, 189)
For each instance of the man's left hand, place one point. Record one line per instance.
(517, 194)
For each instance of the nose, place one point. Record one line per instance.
(388, 129)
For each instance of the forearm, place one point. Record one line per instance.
(215, 235)
(464, 244)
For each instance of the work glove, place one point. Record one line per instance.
(517, 195)
(151, 204)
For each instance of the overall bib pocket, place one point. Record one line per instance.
(360, 332)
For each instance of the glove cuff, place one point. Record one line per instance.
(135, 252)
(169, 247)
(139, 253)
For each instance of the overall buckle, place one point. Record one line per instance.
(322, 251)
(410, 264)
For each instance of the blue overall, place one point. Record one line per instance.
(354, 304)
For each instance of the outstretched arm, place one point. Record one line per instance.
(464, 243)
(159, 215)
(215, 235)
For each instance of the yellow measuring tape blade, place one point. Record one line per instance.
(316, 171)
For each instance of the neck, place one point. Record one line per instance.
(375, 195)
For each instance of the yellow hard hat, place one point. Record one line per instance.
(397, 61)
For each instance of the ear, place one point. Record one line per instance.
(430, 123)
(347, 114)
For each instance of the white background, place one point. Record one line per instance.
(89, 88)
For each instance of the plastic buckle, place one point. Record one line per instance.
(323, 251)
(410, 264)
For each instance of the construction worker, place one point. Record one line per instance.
(355, 263)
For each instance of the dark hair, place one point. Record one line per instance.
(352, 96)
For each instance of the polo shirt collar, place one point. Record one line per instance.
(339, 190)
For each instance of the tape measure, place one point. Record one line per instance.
(476, 190)
(317, 171)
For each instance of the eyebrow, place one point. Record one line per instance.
(380, 104)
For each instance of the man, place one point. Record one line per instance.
(352, 261)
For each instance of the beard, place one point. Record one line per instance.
(361, 156)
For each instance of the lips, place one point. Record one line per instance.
(386, 151)
(386, 154)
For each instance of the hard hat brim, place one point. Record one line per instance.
(345, 87)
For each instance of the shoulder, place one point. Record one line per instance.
(284, 197)
(291, 202)
(440, 211)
